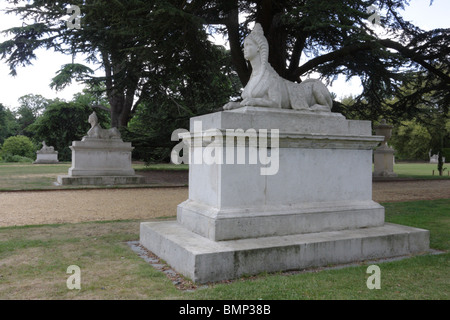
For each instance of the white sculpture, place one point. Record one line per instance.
(97, 132)
(46, 155)
(101, 158)
(46, 149)
(267, 89)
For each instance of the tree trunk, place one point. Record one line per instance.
(237, 56)
(120, 110)
(120, 95)
(440, 158)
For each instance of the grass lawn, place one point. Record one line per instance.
(34, 260)
(27, 176)
(420, 170)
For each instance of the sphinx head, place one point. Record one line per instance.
(256, 43)
(93, 119)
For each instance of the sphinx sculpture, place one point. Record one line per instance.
(267, 89)
(46, 149)
(97, 132)
(46, 155)
(101, 158)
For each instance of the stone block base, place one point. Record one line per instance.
(384, 162)
(203, 260)
(46, 158)
(100, 180)
(231, 223)
(46, 162)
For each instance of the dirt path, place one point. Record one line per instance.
(39, 207)
(21, 208)
(410, 190)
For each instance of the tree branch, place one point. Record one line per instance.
(237, 56)
(415, 57)
(100, 106)
(404, 51)
(313, 63)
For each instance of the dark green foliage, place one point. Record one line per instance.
(446, 154)
(176, 97)
(334, 37)
(156, 55)
(8, 124)
(31, 105)
(411, 141)
(136, 42)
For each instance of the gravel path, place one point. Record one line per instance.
(410, 190)
(42, 207)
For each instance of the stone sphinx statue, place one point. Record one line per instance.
(97, 132)
(46, 149)
(267, 89)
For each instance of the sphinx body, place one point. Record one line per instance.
(46, 149)
(267, 89)
(97, 132)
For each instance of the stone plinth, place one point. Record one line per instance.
(100, 161)
(47, 155)
(435, 158)
(304, 200)
(383, 157)
(322, 182)
(46, 158)
(203, 260)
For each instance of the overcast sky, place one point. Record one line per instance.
(35, 79)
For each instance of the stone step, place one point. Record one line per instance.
(203, 260)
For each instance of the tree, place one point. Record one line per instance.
(8, 124)
(411, 141)
(336, 39)
(186, 92)
(30, 107)
(134, 42)
(431, 111)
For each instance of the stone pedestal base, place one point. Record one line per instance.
(383, 159)
(203, 260)
(314, 208)
(100, 162)
(46, 158)
(262, 221)
(101, 157)
(99, 180)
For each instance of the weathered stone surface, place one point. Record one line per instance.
(46, 155)
(101, 157)
(99, 180)
(203, 260)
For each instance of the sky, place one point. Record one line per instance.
(35, 79)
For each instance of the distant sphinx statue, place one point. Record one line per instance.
(267, 89)
(46, 155)
(97, 132)
(46, 149)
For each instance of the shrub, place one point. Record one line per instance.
(18, 146)
(16, 158)
(446, 154)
